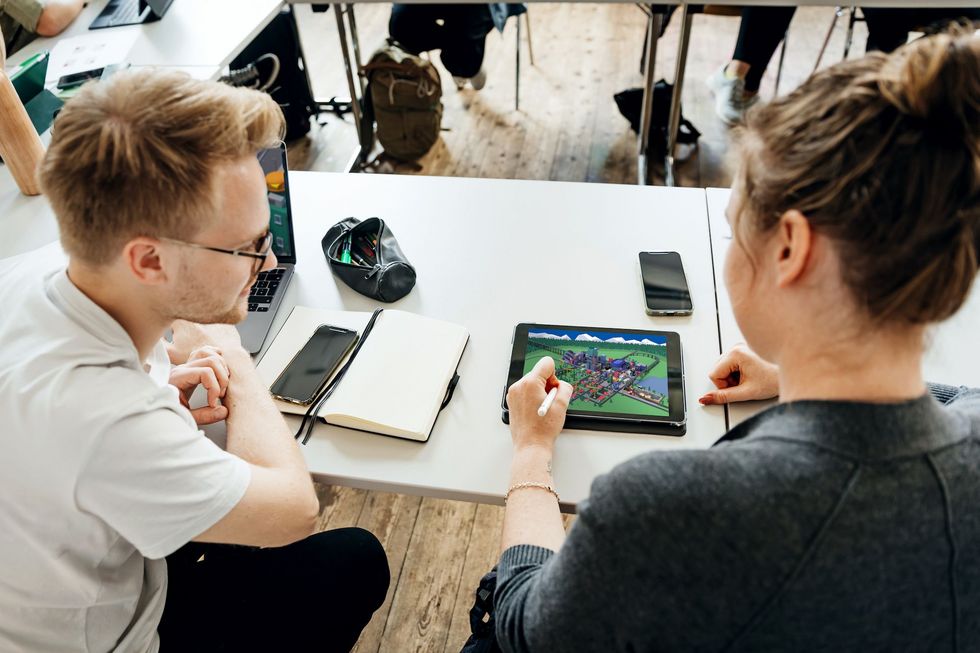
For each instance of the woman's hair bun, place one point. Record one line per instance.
(884, 161)
(937, 80)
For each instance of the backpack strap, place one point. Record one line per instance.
(393, 66)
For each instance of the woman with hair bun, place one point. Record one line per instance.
(847, 517)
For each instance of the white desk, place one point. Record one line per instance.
(952, 354)
(490, 254)
(205, 34)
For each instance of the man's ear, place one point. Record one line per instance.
(794, 237)
(144, 258)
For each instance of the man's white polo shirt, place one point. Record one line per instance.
(102, 473)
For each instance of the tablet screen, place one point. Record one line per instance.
(614, 373)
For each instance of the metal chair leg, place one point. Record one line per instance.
(649, 61)
(356, 42)
(779, 69)
(517, 68)
(365, 140)
(850, 31)
(838, 12)
(527, 23)
(673, 126)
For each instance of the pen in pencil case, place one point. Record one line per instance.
(359, 259)
(345, 251)
(366, 252)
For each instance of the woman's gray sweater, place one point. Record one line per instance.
(819, 526)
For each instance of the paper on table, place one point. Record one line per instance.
(88, 51)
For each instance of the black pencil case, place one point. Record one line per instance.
(378, 268)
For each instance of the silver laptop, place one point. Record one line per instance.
(130, 12)
(266, 295)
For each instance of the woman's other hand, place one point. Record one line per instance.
(740, 375)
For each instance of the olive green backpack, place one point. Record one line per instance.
(404, 96)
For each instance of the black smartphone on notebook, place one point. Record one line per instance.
(311, 368)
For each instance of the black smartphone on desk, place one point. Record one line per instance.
(664, 284)
(307, 374)
(77, 79)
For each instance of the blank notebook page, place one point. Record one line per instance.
(400, 376)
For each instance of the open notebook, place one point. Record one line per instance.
(396, 383)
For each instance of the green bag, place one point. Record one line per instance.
(405, 94)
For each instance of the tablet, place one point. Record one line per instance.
(618, 376)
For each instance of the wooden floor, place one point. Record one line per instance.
(568, 128)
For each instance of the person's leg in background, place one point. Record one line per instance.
(417, 27)
(462, 53)
(316, 594)
(459, 32)
(888, 29)
(736, 84)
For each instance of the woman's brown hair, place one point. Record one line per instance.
(882, 155)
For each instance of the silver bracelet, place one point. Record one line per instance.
(527, 484)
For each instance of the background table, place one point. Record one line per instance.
(199, 38)
(191, 33)
(952, 354)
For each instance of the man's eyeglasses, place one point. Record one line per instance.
(258, 250)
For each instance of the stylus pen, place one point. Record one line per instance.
(546, 404)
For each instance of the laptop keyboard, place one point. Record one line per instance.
(264, 289)
(122, 12)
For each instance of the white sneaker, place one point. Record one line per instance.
(731, 102)
(477, 81)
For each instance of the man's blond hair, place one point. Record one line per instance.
(135, 156)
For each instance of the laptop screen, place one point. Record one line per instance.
(273, 162)
(28, 80)
(159, 7)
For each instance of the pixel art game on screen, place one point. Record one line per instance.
(609, 372)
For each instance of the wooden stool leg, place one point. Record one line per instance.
(20, 146)
(779, 69)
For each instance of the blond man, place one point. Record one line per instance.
(154, 181)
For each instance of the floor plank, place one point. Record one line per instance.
(425, 598)
(392, 518)
(340, 507)
(481, 555)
